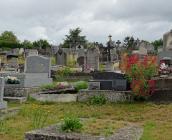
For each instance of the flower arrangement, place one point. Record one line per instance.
(12, 80)
(139, 73)
(63, 85)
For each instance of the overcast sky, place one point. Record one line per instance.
(52, 19)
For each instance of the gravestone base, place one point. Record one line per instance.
(3, 105)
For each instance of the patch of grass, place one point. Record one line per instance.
(80, 85)
(97, 100)
(148, 127)
(155, 119)
(48, 86)
(71, 124)
(39, 118)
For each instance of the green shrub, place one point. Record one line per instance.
(62, 73)
(98, 100)
(48, 87)
(80, 85)
(71, 124)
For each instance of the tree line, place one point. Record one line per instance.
(9, 40)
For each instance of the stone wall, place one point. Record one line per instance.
(111, 96)
(20, 76)
(19, 92)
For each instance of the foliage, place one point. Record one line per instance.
(63, 85)
(98, 100)
(62, 72)
(48, 87)
(27, 44)
(99, 118)
(41, 44)
(39, 118)
(139, 73)
(74, 38)
(9, 40)
(102, 67)
(130, 43)
(71, 124)
(3, 126)
(53, 61)
(80, 85)
(157, 44)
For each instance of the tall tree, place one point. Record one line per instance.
(74, 38)
(130, 43)
(27, 44)
(41, 44)
(157, 44)
(9, 40)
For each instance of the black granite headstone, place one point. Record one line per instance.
(111, 81)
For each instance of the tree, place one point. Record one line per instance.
(157, 44)
(74, 38)
(9, 40)
(130, 43)
(41, 44)
(27, 44)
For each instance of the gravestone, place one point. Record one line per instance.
(32, 52)
(110, 81)
(3, 104)
(37, 64)
(37, 71)
(92, 58)
(94, 85)
(167, 41)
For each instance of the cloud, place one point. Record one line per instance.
(52, 19)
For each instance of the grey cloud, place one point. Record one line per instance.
(51, 19)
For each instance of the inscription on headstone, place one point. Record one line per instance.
(37, 64)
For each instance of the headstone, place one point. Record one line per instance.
(92, 58)
(3, 104)
(110, 81)
(94, 85)
(37, 71)
(109, 66)
(37, 64)
(167, 41)
(32, 52)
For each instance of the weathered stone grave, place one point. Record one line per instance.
(3, 104)
(92, 58)
(37, 71)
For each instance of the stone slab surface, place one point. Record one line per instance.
(3, 105)
(55, 97)
(52, 133)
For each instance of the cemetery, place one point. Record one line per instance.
(98, 92)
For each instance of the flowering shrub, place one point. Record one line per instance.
(139, 73)
(63, 85)
(12, 80)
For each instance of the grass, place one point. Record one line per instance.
(155, 119)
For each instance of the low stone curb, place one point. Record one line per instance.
(52, 133)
